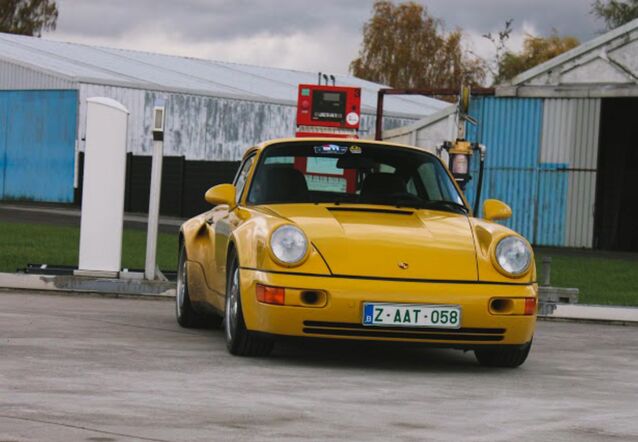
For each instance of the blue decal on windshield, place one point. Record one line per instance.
(331, 149)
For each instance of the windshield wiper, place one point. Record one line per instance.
(336, 200)
(449, 206)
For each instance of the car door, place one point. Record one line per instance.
(223, 227)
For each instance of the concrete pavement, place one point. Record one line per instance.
(607, 313)
(99, 369)
(138, 287)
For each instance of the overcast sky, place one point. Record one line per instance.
(297, 34)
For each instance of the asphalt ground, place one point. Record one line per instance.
(82, 368)
(59, 215)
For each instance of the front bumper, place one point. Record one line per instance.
(340, 316)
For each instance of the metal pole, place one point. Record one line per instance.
(155, 191)
(436, 92)
(378, 133)
(546, 271)
(153, 210)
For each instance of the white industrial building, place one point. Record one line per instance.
(214, 111)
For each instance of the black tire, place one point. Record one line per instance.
(239, 341)
(509, 358)
(186, 315)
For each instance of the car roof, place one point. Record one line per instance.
(265, 144)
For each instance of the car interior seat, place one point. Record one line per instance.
(381, 186)
(280, 184)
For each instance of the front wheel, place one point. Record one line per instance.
(239, 341)
(507, 357)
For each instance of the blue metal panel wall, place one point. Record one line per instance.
(3, 139)
(511, 130)
(39, 136)
(552, 204)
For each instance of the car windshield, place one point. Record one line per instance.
(354, 173)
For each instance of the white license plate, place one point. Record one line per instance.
(412, 315)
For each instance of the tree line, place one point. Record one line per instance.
(404, 46)
(28, 17)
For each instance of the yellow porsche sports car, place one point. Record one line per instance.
(359, 240)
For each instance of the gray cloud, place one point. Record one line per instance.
(221, 19)
(194, 23)
(567, 16)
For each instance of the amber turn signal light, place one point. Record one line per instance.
(530, 306)
(271, 295)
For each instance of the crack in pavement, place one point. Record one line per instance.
(78, 427)
(104, 321)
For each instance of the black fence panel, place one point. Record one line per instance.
(171, 196)
(184, 183)
(77, 192)
(199, 176)
(138, 183)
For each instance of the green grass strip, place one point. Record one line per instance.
(59, 245)
(601, 279)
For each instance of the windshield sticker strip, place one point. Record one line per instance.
(331, 149)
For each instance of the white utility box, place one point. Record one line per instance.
(103, 188)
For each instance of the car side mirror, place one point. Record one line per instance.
(221, 194)
(494, 210)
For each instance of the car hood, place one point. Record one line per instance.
(385, 242)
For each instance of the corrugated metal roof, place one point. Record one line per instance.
(118, 67)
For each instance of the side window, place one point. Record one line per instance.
(386, 168)
(411, 187)
(242, 176)
(428, 175)
(437, 184)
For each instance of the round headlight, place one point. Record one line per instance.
(513, 255)
(289, 244)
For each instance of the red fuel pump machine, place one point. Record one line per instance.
(328, 111)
